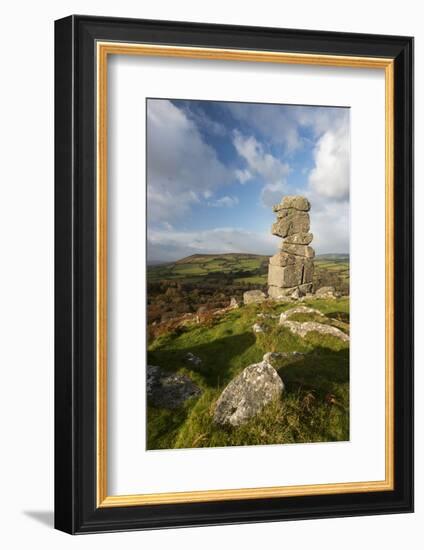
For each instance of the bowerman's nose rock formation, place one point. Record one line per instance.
(291, 270)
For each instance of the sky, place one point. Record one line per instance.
(214, 170)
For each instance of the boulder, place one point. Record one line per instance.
(278, 293)
(298, 250)
(169, 390)
(282, 259)
(326, 292)
(247, 394)
(253, 297)
(308, 271)
(293, 201)
(299, 238)
(299, 309)
(234, 303)
(257, 327)
(290, 222)
(299, 273)
(302, 329)
(288, 276)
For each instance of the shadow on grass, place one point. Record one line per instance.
(319, 371)
(313, 385)
(220, 359)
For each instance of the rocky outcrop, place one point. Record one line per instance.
(299, 309)
(247, 394)
(291, 270)
(253, 297)
(326, 292)
(302, 329)
(169, 390)
(257, 328)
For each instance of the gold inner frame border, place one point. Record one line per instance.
(103, 50)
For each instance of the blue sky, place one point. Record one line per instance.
(214, 170)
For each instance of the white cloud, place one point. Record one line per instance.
(243, 175)
(272, 121)
(281, 125)
(226, 201)
(182, 168)
(330, 177)
(330, 225)
(202, 120)
(264, 165)
(272, 193)
(170, 246)
(327, 186)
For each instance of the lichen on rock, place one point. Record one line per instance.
(247, 394)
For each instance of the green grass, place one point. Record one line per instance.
(204, 264)
(253, 280)
(194, 268)
(314, 406)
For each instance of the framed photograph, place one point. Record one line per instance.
(234, 269)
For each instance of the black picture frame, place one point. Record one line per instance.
(76, 510)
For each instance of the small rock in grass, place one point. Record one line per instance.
(253, 297)
(327, 292)
(247, 394)
(193, 359)
(169, 390)
(302, 329)
(299, 309)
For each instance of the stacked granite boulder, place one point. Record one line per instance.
(291, 270)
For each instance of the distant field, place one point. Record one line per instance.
(338, 267)
(243, 268)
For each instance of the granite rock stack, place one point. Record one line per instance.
(291, 270)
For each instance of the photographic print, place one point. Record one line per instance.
(247, 273)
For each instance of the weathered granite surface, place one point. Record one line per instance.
(247, 394)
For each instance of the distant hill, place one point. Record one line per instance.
(230, 257)
(242, 267)
(198, 266)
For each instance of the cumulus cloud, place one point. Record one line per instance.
(272, 121)
(202, 120)
(182, 168)
(184, 171)
(328, 185)
(330, 225)
(282, 125)
(330, 176)
(171, 246)
(263, 165)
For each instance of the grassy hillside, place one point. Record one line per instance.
(315, 403)
(211, 280)
(198, 266)
(248, 268)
